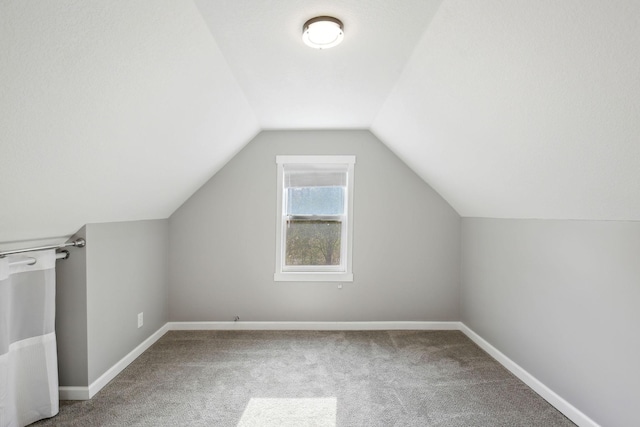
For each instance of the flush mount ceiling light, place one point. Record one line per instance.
(322, 32)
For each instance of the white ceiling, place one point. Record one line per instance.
(120, 110)
(110, 111)
(290, 85)
(524, 109)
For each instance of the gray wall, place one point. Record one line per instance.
(127, 272)
(406, 243)
(71, 316)
(560, 298)
(121, 272)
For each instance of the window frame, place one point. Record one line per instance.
(310, 273)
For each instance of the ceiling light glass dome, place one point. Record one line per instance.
(322, 32)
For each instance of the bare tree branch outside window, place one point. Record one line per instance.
(313, 242)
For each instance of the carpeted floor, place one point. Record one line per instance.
(311, 378)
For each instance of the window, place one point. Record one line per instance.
(315, 203)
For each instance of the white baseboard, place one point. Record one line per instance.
(570, 411)
(312, 326)
(73, 393)
(86, 393)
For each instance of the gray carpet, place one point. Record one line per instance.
(311, 378)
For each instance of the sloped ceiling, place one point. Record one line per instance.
(524, 109)
(110, 111)
(291, 86)
(120, 110)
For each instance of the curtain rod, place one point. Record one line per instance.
(79, 242)
(31, 261)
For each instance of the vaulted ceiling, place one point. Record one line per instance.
(120, 110)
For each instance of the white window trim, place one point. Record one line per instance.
(314, 276)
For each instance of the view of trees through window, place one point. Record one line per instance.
(314, 225)
(313, 242)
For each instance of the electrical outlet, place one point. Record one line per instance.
(140, 320)
(339, 285)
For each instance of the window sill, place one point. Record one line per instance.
(312, 277)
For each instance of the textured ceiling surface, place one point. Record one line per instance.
(110, 111)
(517, 109)
(119, 110)
(290, 85)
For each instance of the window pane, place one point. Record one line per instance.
(313, 242)
(315, 200)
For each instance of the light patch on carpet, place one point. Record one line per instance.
(309, 412)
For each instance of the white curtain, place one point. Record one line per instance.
(28, 358)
